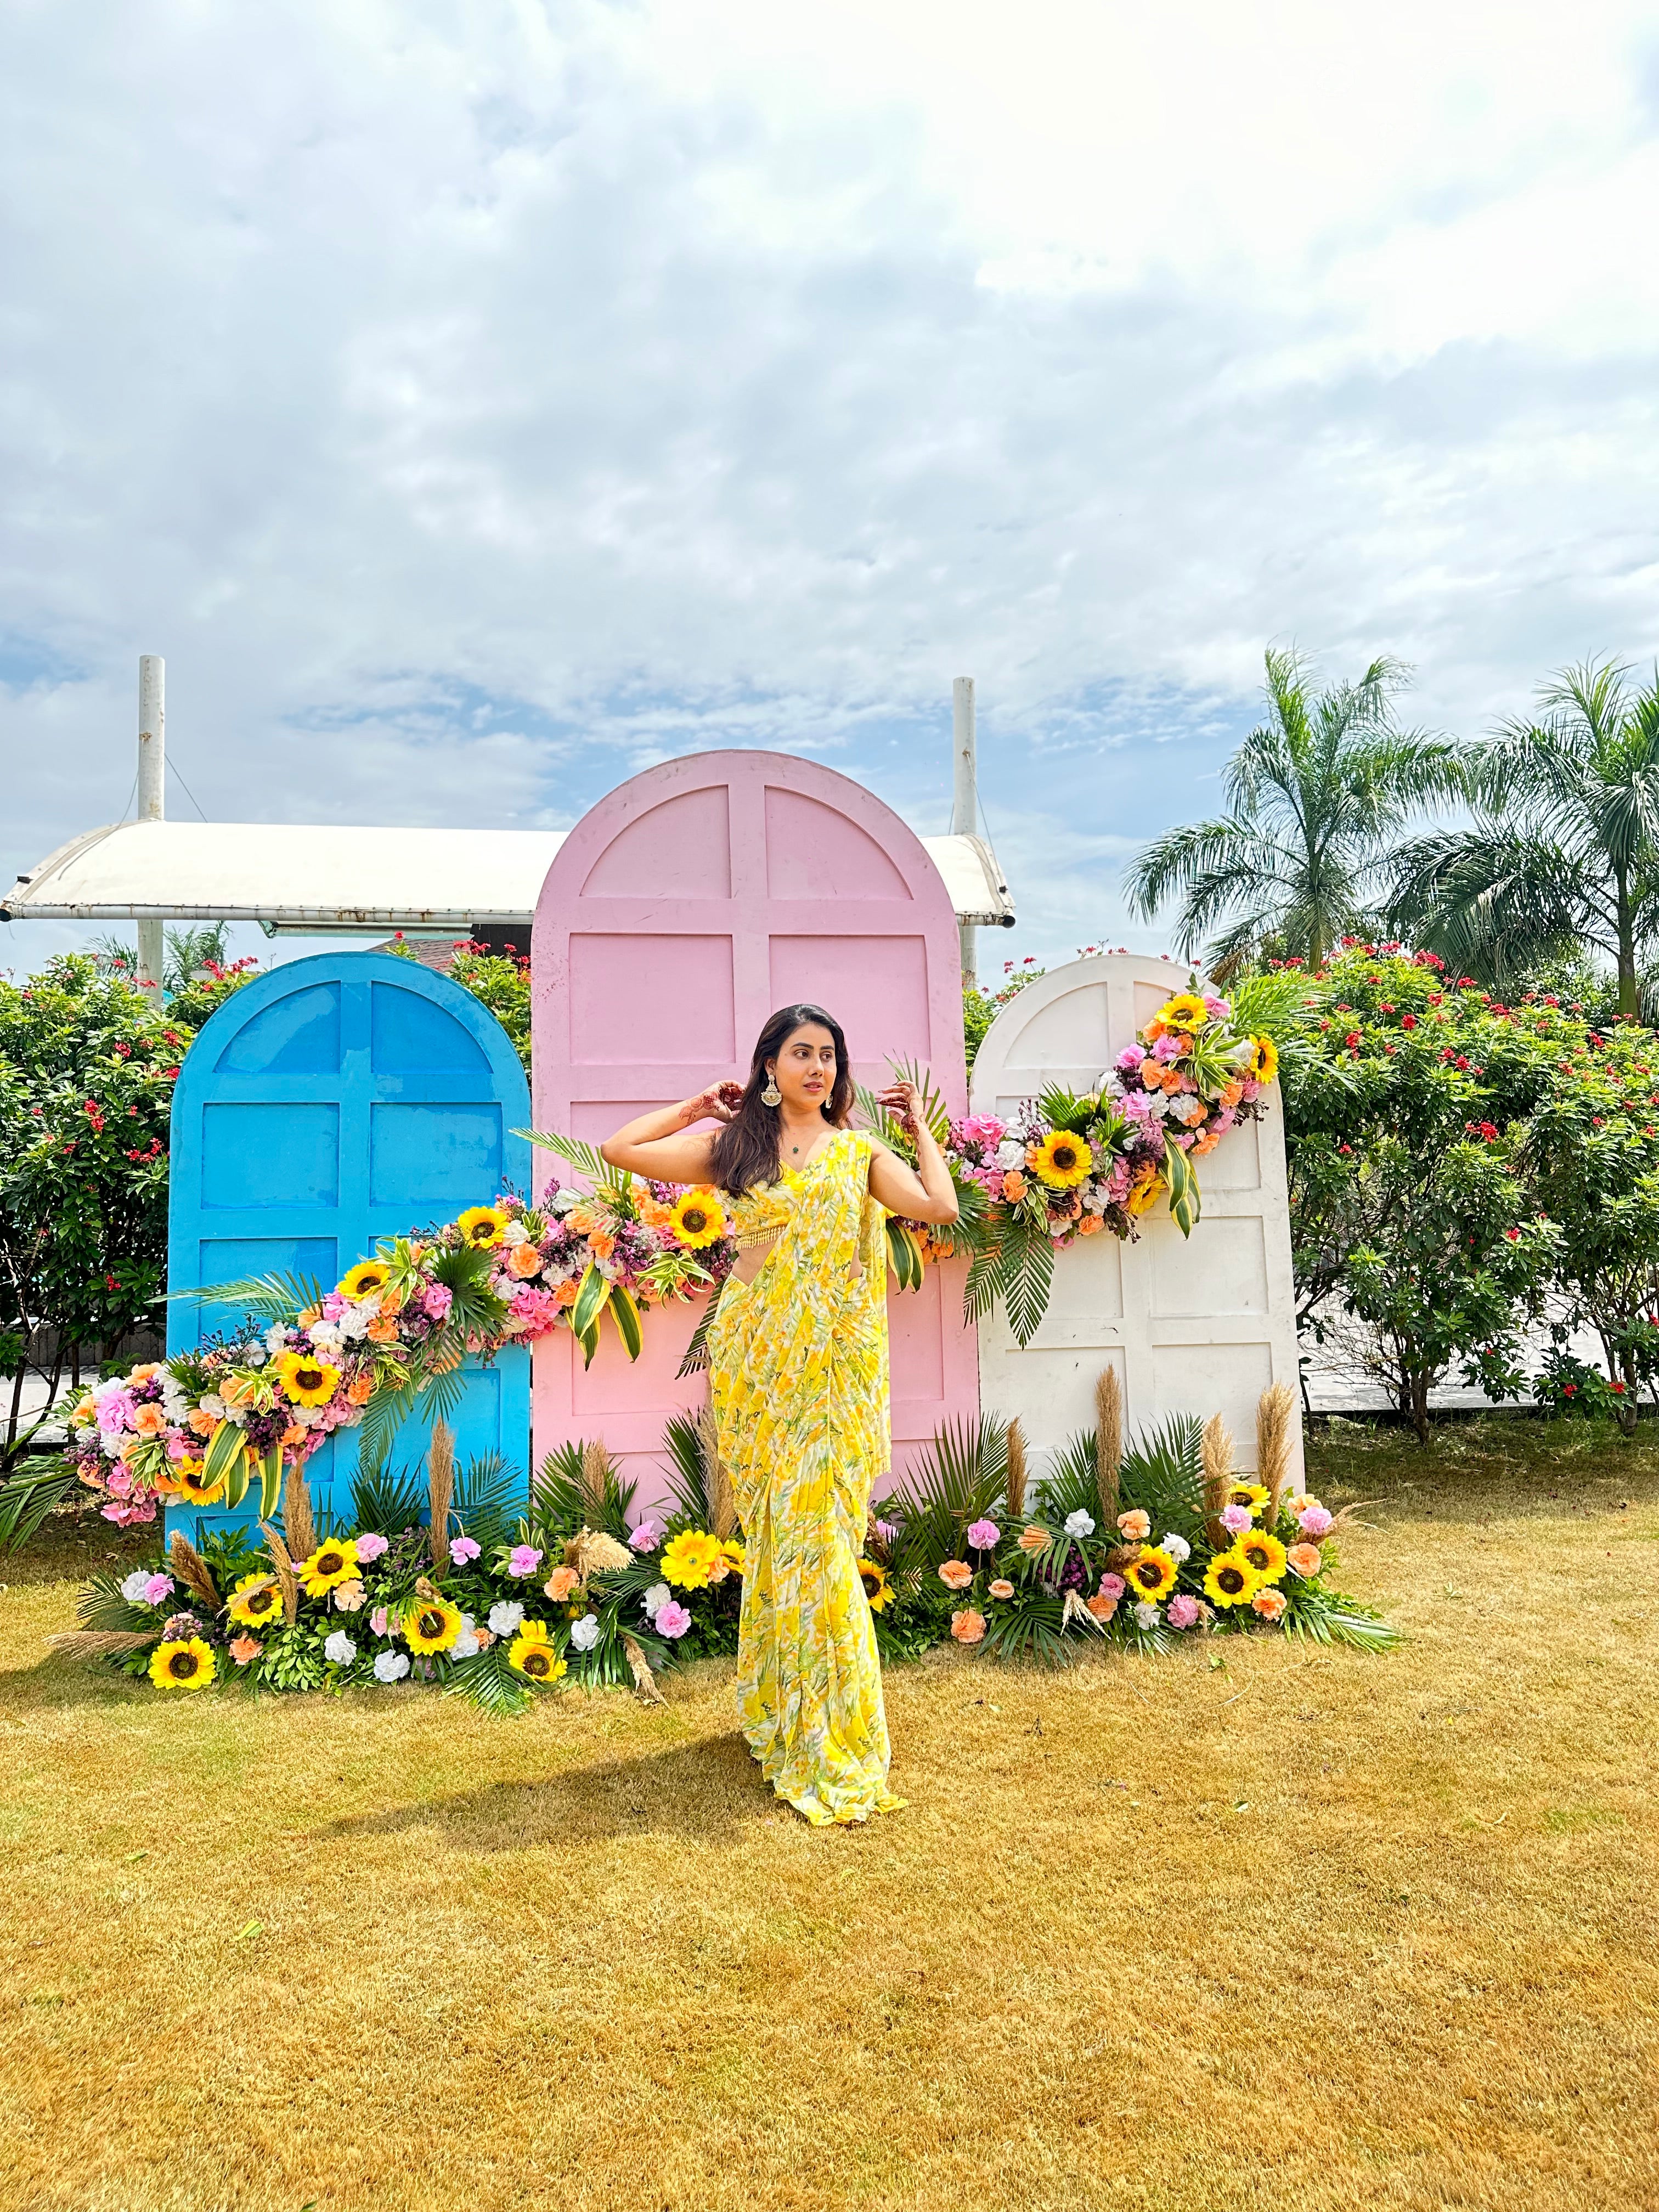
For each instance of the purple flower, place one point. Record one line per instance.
(1236, 1517)
(644, 1535)
(671, 1619)
(1313, 1521)
(523, 1559)
(436, 1301)
(984, 1535)
(1112, 1586)
(369, 1546)
(161, 1586)
(1181, 1611)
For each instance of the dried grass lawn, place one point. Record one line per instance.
(1254, 1927)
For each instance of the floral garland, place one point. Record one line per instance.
(199, 1427)
(1070, 1165)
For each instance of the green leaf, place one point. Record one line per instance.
(696, 1353)
(226, 1459)
(904, 1255)
(1183, 1187)
(273, 1298)
(1025, 1279)
(30, 1493)
(626, 1315)
(270, 1483)
(584, 1158)
(591, 1301)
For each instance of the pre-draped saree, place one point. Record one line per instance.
(797, 1368)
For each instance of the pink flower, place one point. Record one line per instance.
(463, 1551)
(333, 1306)
(1217, 1009)
(1112, 1586)
(1136, 1526)
(888, 1531)
(436, 1300)
(1236, 1517)
(1181, 1611)
(371, 1546)
(644, 1535)
(1314, 1520)
(533, 1311)
(523, 1559)
(983, 1536)
(671, 1618)
(1166, 1049)
(377, 1621)
(157, 1588)
(1130, 1058)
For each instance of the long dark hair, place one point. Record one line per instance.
(746, 1146)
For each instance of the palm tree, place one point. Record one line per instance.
(1311, 793)
(1565, 850)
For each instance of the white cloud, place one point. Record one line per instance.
(476, 403)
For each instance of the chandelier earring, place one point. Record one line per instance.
(771, 1096)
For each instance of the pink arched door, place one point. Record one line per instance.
(678, 913)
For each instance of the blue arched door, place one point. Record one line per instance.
(334, 1101)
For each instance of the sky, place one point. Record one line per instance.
(476, 403)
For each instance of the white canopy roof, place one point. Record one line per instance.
(288, 877)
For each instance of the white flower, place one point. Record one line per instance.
(1080, 1524)
(324, 1337)
(135, 1583)
(1177, 1546)
(1146, 1613)
(390, 1666)
(584, 1632)
(656, 1598)
(466, 1644)
(505, 1617)
(564, 1201)
(214, 1404)
(1011, 1153)
(515, 1233)
(276, 1336)
(1187, 1108)
(339, 1649)
(352, 1323)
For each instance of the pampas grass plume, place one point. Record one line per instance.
(716, 1481)
(1016, 1471)
(298, 1521)
(285, 1576)
(1108, 1442)
(1218, 1455)
(1272, 1446)
(192, 1570)
(441, 1481)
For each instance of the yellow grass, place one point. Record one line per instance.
(1254, 1927)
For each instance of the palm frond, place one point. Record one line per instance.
(491, 1683)
(30, 1494)
(688, 1479)
(277, 1296)
(559, 1499)
(382, 1503)
(584, 1158)
(957, 1479)
(489, 1497)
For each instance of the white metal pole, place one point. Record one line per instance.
(964, 798)
(152, 802)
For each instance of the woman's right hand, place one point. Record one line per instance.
(718, 1102)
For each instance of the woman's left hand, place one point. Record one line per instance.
(903, 1102)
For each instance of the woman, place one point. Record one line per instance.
(798, 1374)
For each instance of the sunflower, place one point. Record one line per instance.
(256, 1601)
(482, 1226)
(431, 1625)
(1228, 1581)
(305, 1379)
(365, 1279)
(531, 1653)
(1186, 1012)
(190, 1481)
(1264, 1555)
(333, 1562)
(1152, 1575)
(734, 1556)
(1144, 1193)
(184, 1665)
(1264, 1062)
(690, 1560)
(1253, 1494)
(877, 1587)
(696, 1218)
(1061, 1160)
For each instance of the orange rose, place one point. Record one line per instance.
(202, 1424)
(392, 1301)
(968, 1627)
(1013, 1186)
(1101, 1606)
(310, 1314)
(143, 1374)
(566, 1293)
(245, 1646)
(359, 1390)
(524, 1261)
(150, 1421)
(293, 1434)
(1206, 1142)
(1232, 1092)
(1136, 1526)
(955, 1574)
(1153, 1031)
(603, 1242)
(1304, 1560)
(382, 1330)
(239, 1390)
(1002, 1586)
(1269, 1603)
(581, 1219)
(1090, 1225)
(560, 1584)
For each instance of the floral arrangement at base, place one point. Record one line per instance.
(1134, 1548)
(461, 1589)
